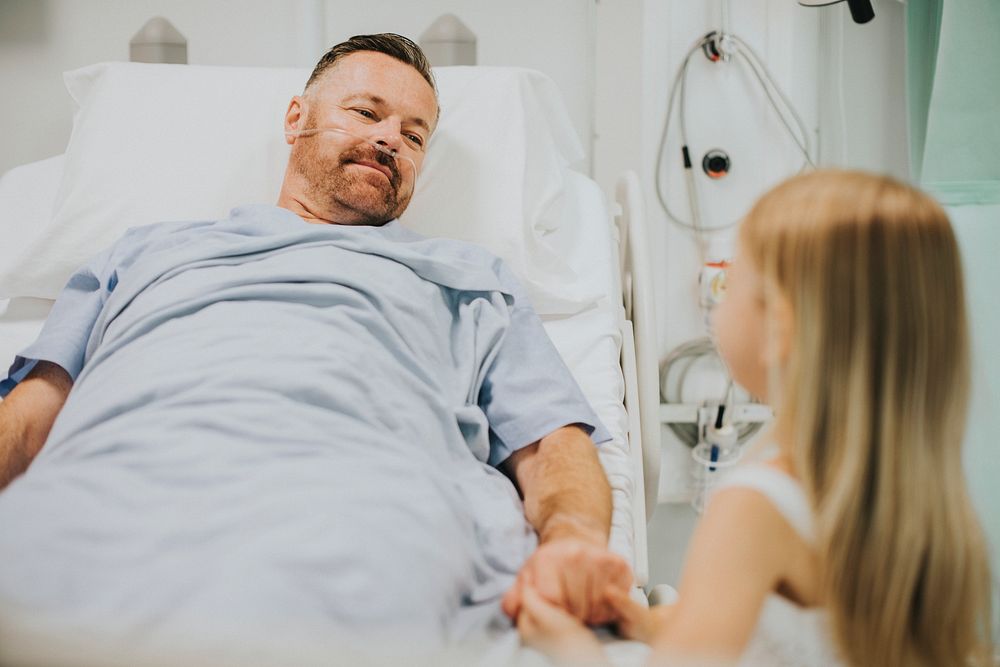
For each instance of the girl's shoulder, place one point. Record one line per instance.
(782, 491)
(767, 511)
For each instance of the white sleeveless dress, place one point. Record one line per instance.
(787, 635)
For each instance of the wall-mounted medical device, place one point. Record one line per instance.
(726, 49)
(861, 10)
(714, 430)
(700, 403)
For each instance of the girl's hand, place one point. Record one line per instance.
(634, 620)
(555, 632)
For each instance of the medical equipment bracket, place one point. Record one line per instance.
(679, 413)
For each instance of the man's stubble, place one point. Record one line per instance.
(372, 198)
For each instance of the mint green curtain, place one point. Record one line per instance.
(953, 99)
(953, 91)
(978, 231)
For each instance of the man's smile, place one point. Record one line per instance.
(371, 164)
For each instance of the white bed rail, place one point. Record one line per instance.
(639, 358)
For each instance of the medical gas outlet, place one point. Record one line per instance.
(716, 163)
(712, 283)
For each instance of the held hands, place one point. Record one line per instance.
(567, 641)
(567, 584)
(556, 633)
(576, 574)
(634, 620)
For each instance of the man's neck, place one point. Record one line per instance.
(302, 209)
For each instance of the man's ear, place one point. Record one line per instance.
(295, 118)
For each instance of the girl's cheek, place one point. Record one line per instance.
(723, 331)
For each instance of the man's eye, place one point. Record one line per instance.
(365, 112)
(415, 139)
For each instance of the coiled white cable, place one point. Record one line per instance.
(678, 93)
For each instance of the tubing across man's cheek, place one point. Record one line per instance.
(400, 159)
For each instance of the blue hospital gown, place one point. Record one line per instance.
(284, 426)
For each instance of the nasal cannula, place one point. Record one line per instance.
(382, 148)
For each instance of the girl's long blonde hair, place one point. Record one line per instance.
(874, 394)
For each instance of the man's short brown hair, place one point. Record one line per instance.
(401, 48)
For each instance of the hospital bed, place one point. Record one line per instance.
(582, 259)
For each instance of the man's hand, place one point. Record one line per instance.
(574, 574)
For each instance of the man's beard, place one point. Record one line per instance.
(332, 186)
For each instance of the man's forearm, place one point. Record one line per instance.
(566, 492)
(14, 446)
(27, 415)
(567, 499)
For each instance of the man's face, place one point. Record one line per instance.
(376, 98)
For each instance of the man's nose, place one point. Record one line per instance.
(388, 134)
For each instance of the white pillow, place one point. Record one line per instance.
(180, 142)
(27, 195)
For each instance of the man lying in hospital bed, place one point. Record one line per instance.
(271, 419)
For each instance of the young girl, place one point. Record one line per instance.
(850, 539)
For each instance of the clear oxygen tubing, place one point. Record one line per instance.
(382, 148)
(783, 108)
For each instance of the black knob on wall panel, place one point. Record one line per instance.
(716, 163)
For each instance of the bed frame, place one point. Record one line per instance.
(639, 360)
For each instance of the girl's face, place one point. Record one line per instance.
(740, 326)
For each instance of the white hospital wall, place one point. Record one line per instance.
(39, 39)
